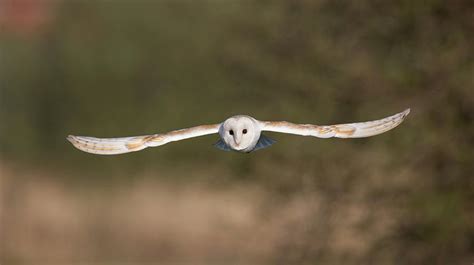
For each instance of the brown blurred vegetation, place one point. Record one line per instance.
(122, 68)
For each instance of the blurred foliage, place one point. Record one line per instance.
(131, 68)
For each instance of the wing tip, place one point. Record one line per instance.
(75, 141)
(406, 112)
(402, 115)
(71, 138)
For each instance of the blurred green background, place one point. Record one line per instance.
(119, 68)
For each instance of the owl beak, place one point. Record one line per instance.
(237, 140)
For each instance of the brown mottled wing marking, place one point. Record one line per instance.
(113, 146)
(348, 130)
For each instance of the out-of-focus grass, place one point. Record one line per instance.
(154, 220)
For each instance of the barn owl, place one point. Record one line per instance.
(238, 133)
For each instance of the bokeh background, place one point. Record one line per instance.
(119, 68)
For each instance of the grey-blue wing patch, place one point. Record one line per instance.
(263, 142)
(221, 145)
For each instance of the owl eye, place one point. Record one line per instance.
(244, 131)
(231, 132)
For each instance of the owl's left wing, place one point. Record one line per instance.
(113, 146)
(347, 130)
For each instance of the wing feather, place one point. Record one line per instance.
(114, 146)
(347, 130)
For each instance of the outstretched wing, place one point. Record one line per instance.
(113, 146)
(348, 130)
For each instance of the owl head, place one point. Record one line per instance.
(240, 133)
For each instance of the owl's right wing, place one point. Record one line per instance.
(347, 130)
(114, 146)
